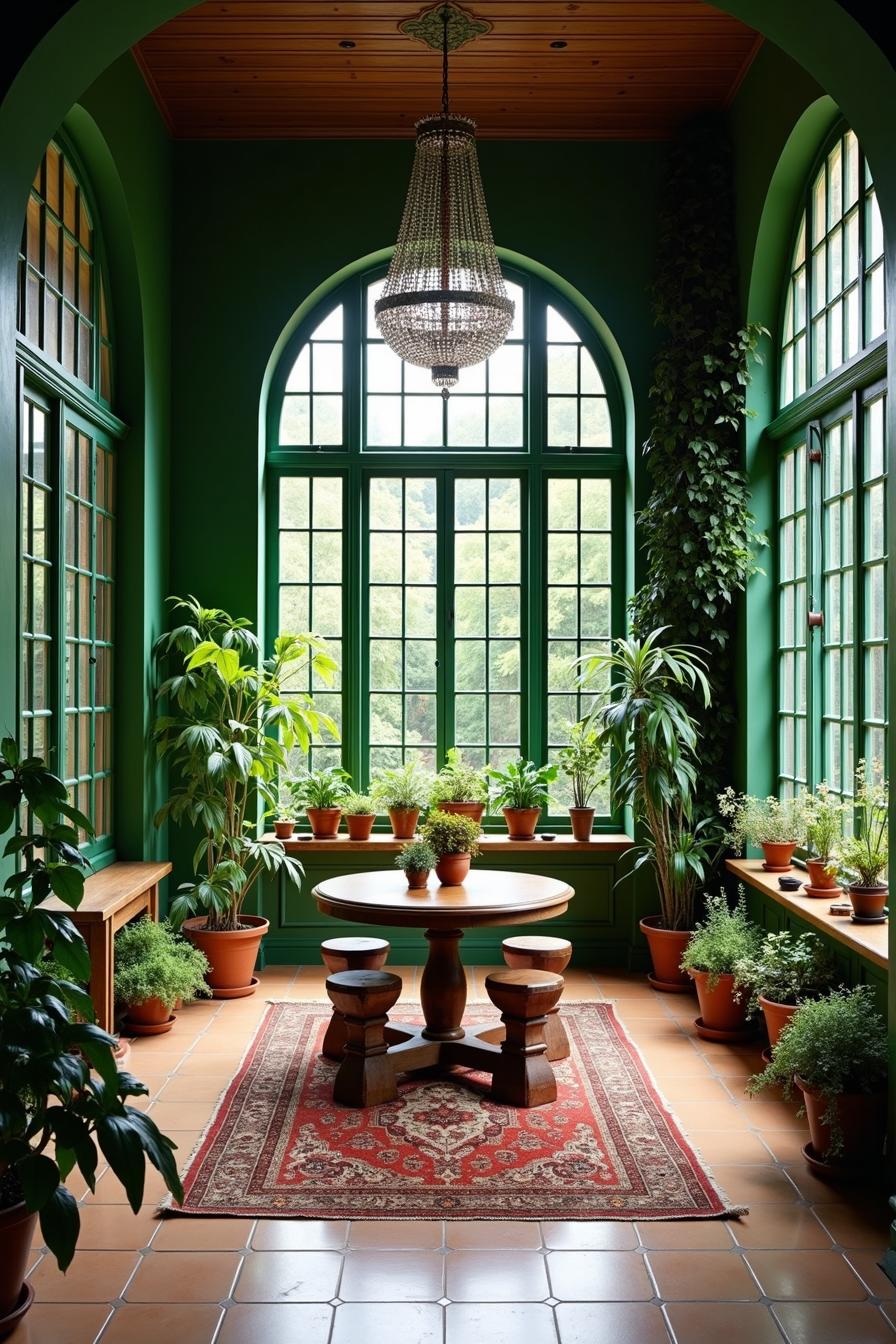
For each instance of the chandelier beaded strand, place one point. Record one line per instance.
(444, 305)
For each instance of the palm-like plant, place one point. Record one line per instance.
(227, 739)
(653, 742)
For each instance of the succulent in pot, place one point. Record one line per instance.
(786, 970)
(521, 791)
(154, 968)
(824, 830)
(459, 787)
(416, 860)
(360, 814)
(402, 791)
(834, 1050)
(725, 939)
(321, 792)
(863, 858)
(774, 825)
(583, 762)
(454, 839)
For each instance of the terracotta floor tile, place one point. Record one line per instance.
(706, 1234)
(701, 1276)
(865, 1226)
(619, 1322)
(170, 1115)
(202, 1234)
(209, 1063)
(496, 1276)
(195, 1276)
(637, 1009)
(397, 1322)
(288, 1323)
(187, 1323)
(400, 1234)
(289, 1276)
(728, 1145)
(162, 1062)
(299, 1234)
(773, 1112)
(392, 1276)
(780, 1227)
(699, 1322)
(703, 1089)
(494, 1322)
(49, 1324)
(814, 1189)
(708, 1114)
(93, 1276)
(195, 1087)
(869, 1271)
(755, 1185)
(819, 1276)
(497, 1235)
(113, 1227)
(833, 1323)
(786, 1145)
(689, 1065)
(599, 1276)
(602, 1236)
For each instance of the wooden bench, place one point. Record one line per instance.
(112, 898)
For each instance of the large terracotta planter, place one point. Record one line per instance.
(231, 955)
(404, 822)
(868, 902)
(778, 857)
(820, 881)
(16, 1231)
(473, 810)
(777, 1016)
(521, 822)
(720, 1012)
(324, 822)
(417, 878)
(152, 1017)
(666, 951)
(451, 869)
(359, 825)
(581, 820)
(862, 1118)
(284, 829)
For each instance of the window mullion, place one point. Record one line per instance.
(445, 729)
(815, 564)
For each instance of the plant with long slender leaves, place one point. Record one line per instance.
(232, 721)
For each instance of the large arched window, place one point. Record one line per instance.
(67, 438)
(458, 554)
(831, 433)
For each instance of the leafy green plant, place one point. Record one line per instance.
(402, 788)
(62, 1099)
(762, 821)
(358, 805)
(458, 782)
(521, 784)
(320, 788)
(824, 823)
(416, 857)
(583, 762)
(226, 739)
(724, 939)
(447, 833)
(836, 1045)
(865, 855)
(786, 968)
(151, 962)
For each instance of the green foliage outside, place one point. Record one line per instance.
(151, 962)
(725, 939)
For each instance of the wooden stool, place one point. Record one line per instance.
(523, 1076)
(363, 998)
(531, 952)
(348, 954)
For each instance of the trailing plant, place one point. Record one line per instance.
(699, 536)
(358, 805)
(824, 823)
(836, 1045)
(582, 760)
(865, 855)
(762, 821)
(447, 833)
(151, 962)
(521, 784)
(416, 857)
(62, 1099)
(458, 782)
(724, 939)
(786, 968)
(320, 788)
(401, 788)
(226, 737)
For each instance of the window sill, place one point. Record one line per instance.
(489, 844)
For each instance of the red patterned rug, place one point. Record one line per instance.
(278, 1146)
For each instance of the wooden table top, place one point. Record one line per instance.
(106, 891)
(486, 898)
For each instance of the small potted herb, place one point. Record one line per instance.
(459, 788)
(786, 970)
(863, 858)
(824, 830)
(284, 815)
(774, 825)
(416, 860)
(835, 1051)
(360, 814)
(321, 792)
(455, 842)
(582, 761)
(402, 791)
(723, 940)
(521, 791)
(153, 970)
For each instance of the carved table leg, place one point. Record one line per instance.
(443, 986)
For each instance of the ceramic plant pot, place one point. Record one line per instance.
(16, 1231)
(231, 955)
(821, 882)
(521, 822)
(404, 822)
(722, 1016)
(862, 1120)
(284, 829)
(778, 857)
(473, 810)
(451, 869)
(324, 822)
(868, 902)
(152, 1017)
(417, 878)
(666, 951)
(776, 1015)
(581, 819)
(360, 825)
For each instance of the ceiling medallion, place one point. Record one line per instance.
(430, 27)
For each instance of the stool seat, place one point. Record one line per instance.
(354, 954)
(526, 993)
(537, 952)
(363, 993)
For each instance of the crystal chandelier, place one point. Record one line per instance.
(444, 305)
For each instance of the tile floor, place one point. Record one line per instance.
(800, 1267)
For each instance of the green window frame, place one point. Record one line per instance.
(448, 630)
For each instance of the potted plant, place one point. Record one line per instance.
(835, 1051)
(321, 792)
(787, 969)
(226, 735)
(582, 761)
(725, 939)
(454, 840)
(416, 860)
(402, 791)
(284, 815)
(646, 729)
(64, 1100)
(824, 830)
(521, 791)
(774, 825)
(863, 858)
(153, 970)
(360, 814)
(459, 788)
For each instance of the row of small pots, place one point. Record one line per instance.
(521, 821)
(867, 902)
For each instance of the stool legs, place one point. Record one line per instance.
(555, 1036)
(523, 1076)
(338, 955)
(363, 998)
(543, 954)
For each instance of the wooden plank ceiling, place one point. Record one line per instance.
(271, 69)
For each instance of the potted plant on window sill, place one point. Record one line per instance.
(454, 840)
(225, 737)
(863, 858)
(774, 825)
(402, 791)
(521, 791)
(154, 970)
(284, 815)
(459, 788)
(582, 761)
(416, 860)
(725, 940)
(321, 792)
(824, 829)
(787, 970)
(360, 814)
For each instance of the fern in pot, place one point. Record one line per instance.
(521, 791)
(459, 788)
(403, 791)
(724, 940)
(786, 970)
(360, 814)
(863, 858)
(774, 825)
(154, 969)
(824, 831)
(321, 792)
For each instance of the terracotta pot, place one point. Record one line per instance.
(862, 1117)
(719, 1009)
(284, 829)
(868, 902)
(820, 879)
(521, 822)
(324, 822)
(359, 825)
(666, 951)
(451, 869)
(777, 857)
(149, 1013)
(417, 878)
(581, 819)
(474, 810)
(404, 822)
(16, 1231)
(776, 1015)
(231, 955)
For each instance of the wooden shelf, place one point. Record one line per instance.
(868, 940)
(488, 844)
